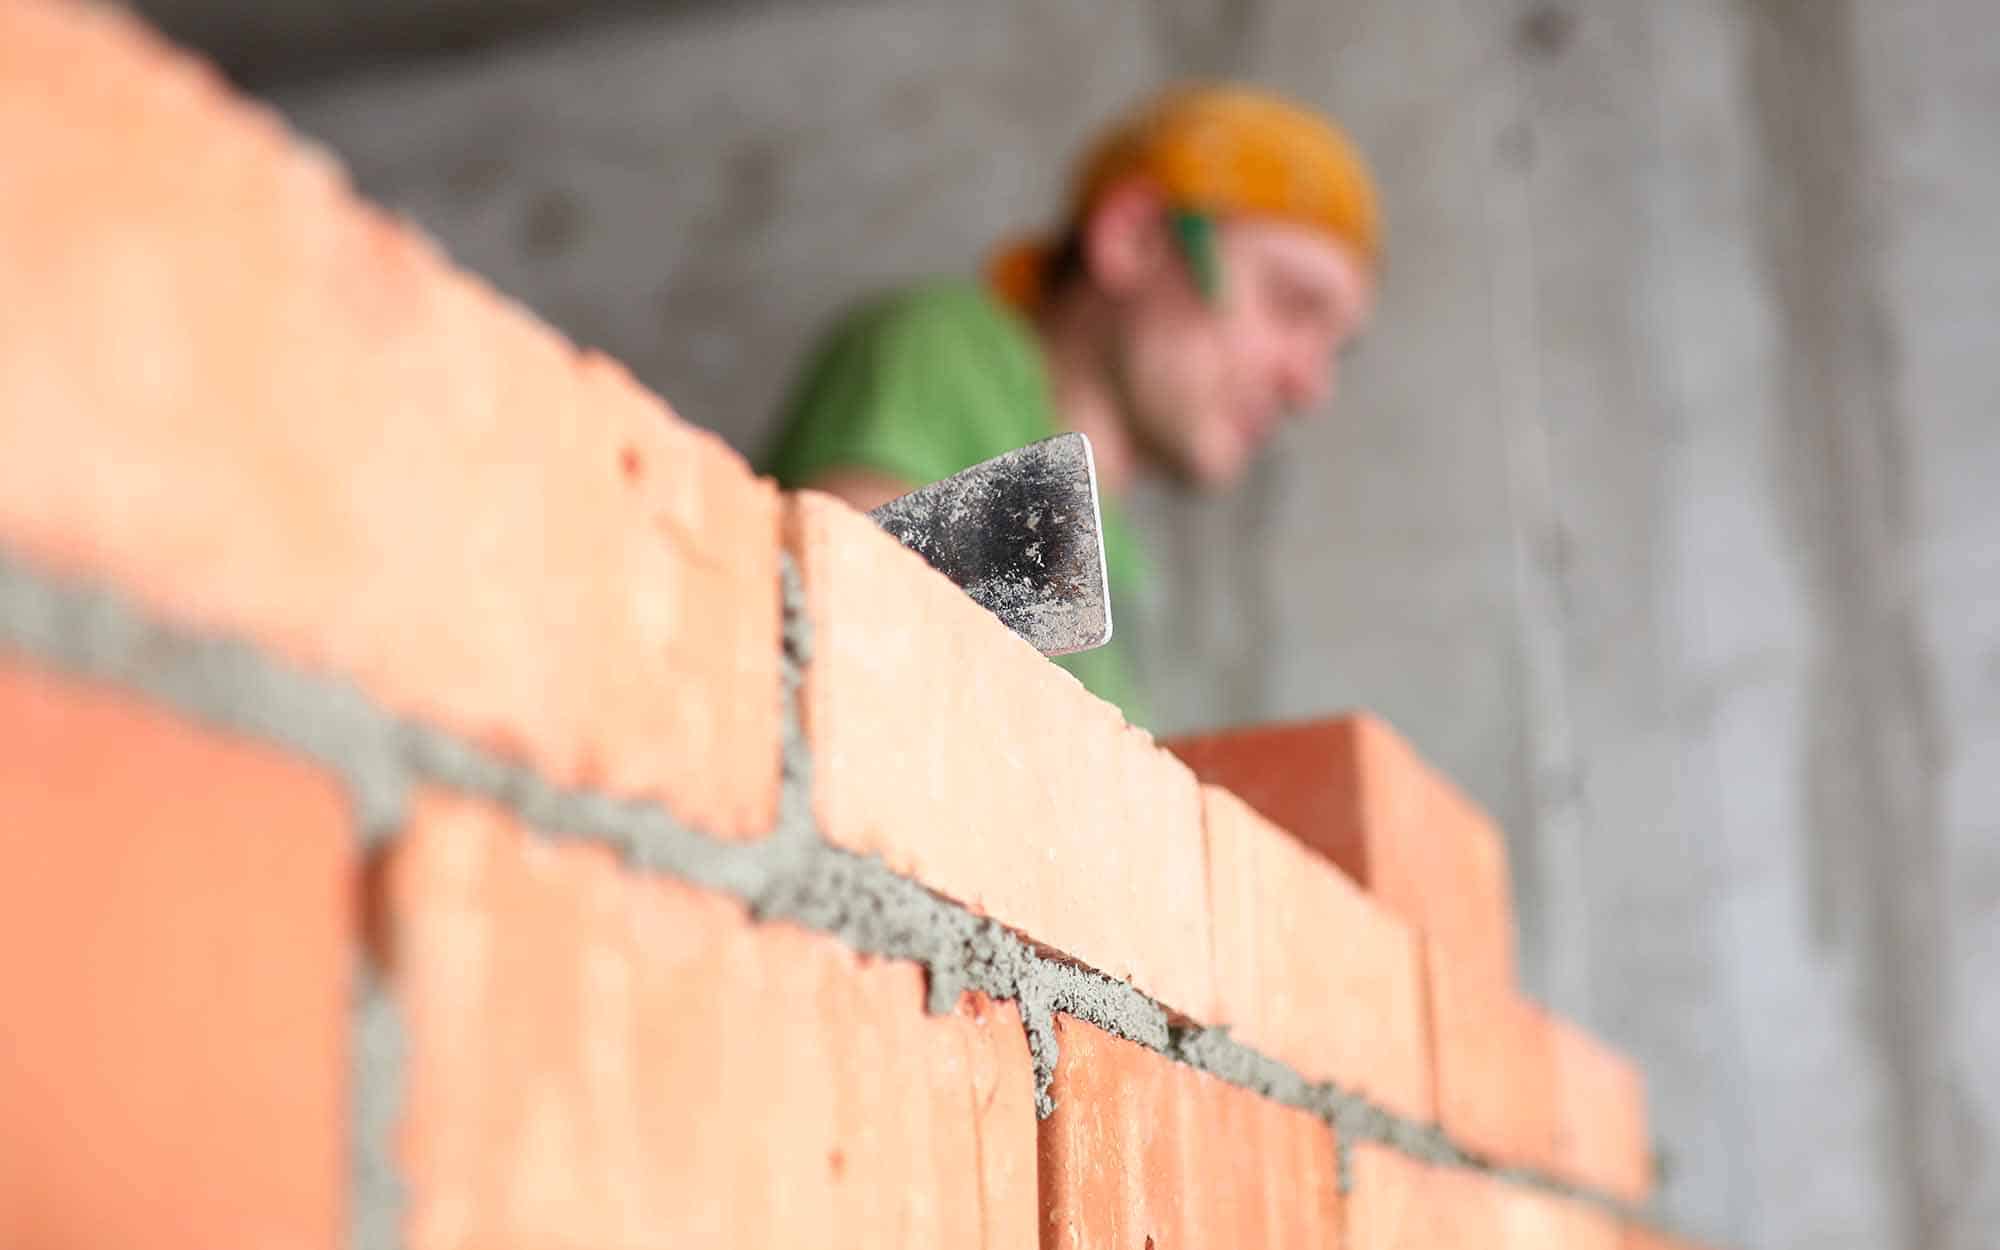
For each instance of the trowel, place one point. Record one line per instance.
(1021, 534)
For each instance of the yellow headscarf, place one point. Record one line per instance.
(1218, 150)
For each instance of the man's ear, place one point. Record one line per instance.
(1125, 239)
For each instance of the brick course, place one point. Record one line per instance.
(598, 1059)
(1495, 1066)
(1308, 968)
(1355, 791)
(961, 756)
(1601, 1135)
(263, 407)
(1398, 1203)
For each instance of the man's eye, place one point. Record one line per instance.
(1294, 304)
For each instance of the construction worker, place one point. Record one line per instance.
(1220, 249)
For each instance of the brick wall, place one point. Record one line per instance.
(448, 801)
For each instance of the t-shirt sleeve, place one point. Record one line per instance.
(917, 387)
(910, 389)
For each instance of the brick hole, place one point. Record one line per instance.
(377, 925)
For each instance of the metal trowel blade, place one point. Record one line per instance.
(1021, 533)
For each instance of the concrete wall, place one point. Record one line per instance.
(1659, 510)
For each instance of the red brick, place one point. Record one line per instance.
(1142, 1151)
(1356, 792)
(175, 916)
(601, 1059)
(260, 406)
(1531, 1220)
(964, 758)
(1308, 968)
(1397, 1203)
(1637, 1237)
(1601, 1135)
(1495, 1065)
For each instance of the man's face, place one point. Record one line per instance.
(1206, 383)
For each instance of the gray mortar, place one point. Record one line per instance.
(1212, 1050)
(87, 630)
(861, 901)
(375, 1096)
(92, 632)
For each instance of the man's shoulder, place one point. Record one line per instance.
(952, 345)
(938, 308)
(915, 382)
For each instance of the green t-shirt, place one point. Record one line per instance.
(924, 382)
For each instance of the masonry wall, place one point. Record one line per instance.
(450, 801)
(1657, 508)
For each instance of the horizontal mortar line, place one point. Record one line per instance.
(89, 629)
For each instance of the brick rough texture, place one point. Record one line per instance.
(176, 911)
(1537, 1221)
(1355, 791)
(1308, 968)
(599, 1059)
(1142, 1151)
(1601, 1135)
(1495, 1065)
(1637, 1237)
(261, 406)
(964, 758)
(1398, 1203)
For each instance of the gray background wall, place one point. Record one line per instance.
(1660, 509)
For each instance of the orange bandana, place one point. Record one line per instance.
(1221, 151)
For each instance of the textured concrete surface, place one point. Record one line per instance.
(1659, 511)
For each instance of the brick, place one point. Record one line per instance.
(964, 758)
(1142, 1151)
(1398, 1203)
(1601, 1134)
(175, 920)
(1531, 1220)
(1355, 791)
(1639, 1237)
(1495, 1065)
(604, 1059)
(1308, 968)
(261, 407)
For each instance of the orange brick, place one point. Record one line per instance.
(1601, 1135)
(1637, 1237)
(1530, 1220)
(601, 1059)
(964, 758)
(259, 406)
(1142, 1151)
(1495, 1065)
(175, 914)
(1308, 968)
(1356, 792)
(1397, 1203)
